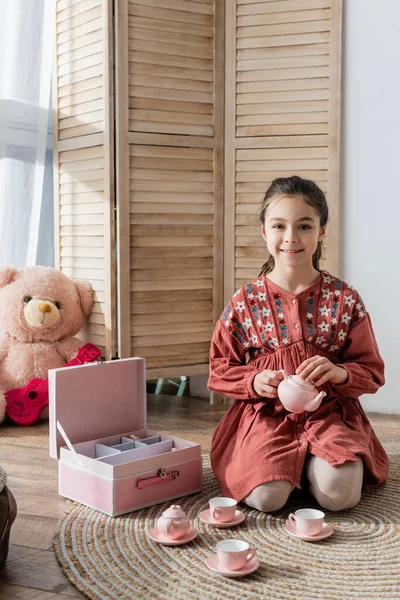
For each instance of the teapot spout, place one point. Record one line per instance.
(314, 404)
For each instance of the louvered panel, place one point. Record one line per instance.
(282, 65)
(80, 68)
(171, 67)
(171, 252)
(81, 220)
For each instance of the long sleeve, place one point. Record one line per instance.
(229, 374)
(361, 359)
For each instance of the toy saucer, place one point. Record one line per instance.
(327, 530)
(159, 537)
(251, 566)
(205, 516)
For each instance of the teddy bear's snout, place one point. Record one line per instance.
(41, 313)
(44, 307)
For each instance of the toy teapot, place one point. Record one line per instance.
(173, 522)
(297, 395)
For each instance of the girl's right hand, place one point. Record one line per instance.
(266, 383)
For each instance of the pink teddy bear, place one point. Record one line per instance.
(41, 309)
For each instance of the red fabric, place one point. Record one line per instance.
(265, 326)
(25, 404)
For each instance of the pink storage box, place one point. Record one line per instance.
(94, 411)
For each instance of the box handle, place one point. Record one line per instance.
(162, 476)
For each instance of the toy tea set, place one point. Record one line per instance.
(233, 557)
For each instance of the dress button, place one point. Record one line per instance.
(296, 325)
(299, 425)
(294, 301)
(301, 353)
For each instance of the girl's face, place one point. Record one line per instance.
(292, 230)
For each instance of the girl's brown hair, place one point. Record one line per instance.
(311, 193)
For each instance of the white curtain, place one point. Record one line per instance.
(26, 182)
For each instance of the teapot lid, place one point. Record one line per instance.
(174, 512)
(300, 381)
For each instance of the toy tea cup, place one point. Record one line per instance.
(234, 554)
(222, 509)
(297, 395)
(307, 521)
(173, 522)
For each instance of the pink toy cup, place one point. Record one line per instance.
(222, 509)
(307, 521)
(234, 554)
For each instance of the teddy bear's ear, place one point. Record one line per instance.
(7, 275)
(86, 296)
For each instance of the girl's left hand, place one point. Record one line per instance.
(319, 370)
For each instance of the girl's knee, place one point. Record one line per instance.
(338, 488)
(270, 496)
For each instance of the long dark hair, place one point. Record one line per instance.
(311, 193)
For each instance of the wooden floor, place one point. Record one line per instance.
(32, 571)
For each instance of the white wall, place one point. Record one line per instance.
(370, 212)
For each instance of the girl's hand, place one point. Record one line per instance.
(319, 370)
(266, 383)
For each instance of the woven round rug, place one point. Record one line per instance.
(110, 558)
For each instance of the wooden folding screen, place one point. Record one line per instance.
(282, 101)
(142, 151)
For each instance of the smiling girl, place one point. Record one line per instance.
(305, 321)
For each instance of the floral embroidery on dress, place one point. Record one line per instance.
(257, 315)
(309, 320)
(340, 307)
(359, 312)
(282, 322)
(326, 313)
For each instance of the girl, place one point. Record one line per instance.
(297, 318)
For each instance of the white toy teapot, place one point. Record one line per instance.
(173, 522)
(297, 395)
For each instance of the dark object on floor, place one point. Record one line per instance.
(8, 512)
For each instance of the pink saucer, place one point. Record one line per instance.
(156, 536)
(206, 518)
(213, 564)
(327, 530)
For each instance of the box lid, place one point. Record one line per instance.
(96, 400)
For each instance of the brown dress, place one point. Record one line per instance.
(266, 327)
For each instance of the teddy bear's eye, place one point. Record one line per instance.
(27, 299)
(57, 305)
